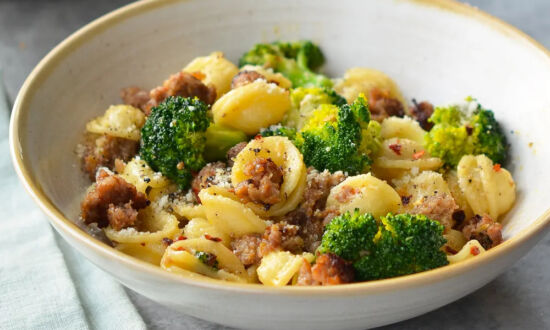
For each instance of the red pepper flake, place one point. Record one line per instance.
(199, 75)
(418, 155)
(142, 244)
(496, 167)
(179, 248)
(180, 238)
(258, 137)
(213, 239)
(474, 250)
(395, 148)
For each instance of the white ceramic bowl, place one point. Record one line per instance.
(435, 50)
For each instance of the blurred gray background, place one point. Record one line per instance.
(518, 299)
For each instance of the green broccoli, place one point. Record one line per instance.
(278, 130)
(396, 245)
(304, 100)
(219, 139)
(332, 138)
(295, 60)
(174, 137)
(208, 259)
(465, 130)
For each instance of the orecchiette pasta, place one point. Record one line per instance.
(285, 155)
(366, 193)
(154, 225)
(364, 80)
(471, 249)
(122, 121)
(418, 187)
(182, 255)
(216, 69)
(278, 268)
(147, 181)
(269, 75)
(489, 189)
(455, 240)
(251, 107)
(405, 128)
(226, 213)
(148, 252)
(452, 181)
(400, 156)
(198, 227)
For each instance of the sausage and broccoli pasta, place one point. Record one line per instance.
(270, 172)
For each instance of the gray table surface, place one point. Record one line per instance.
(517, 299)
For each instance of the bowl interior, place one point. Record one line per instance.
(432, 53)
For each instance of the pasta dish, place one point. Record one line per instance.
(271, 172)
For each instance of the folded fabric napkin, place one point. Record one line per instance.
(44, 283)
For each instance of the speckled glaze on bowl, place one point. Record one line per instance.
(437, 50)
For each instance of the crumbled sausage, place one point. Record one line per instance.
(330, 269)
(438, 207)
(113, 201)
(233, 152)
(206, 176)
(244, 78)
(421, 112)
(281, 236)
(484, 229)
(246, 249)
(181, 84)
(135, 96)
(103, 151)
(305, 276)
(264, 184)
(311, 215)
(382, 106)
(250, 249)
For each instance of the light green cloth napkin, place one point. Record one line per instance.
(44, 283)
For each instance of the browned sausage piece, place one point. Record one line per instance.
(246, 249)
(281, 236)
(206, 176)
(233, 152)
(438, 207)
(382, 106)
(264, 184)
(305, 276)
(311, 215)
(181, 84)
(135, 96)
(113, 202)
(103, 150)
(244, 78)
(484, 229)
(421, 112)
(330, 269)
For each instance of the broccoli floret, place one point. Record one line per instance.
(332, 138)
(278, 130)
(350, 235)
(371, 140)
(396, 245)
(219, 139)
(295, 60)
(174, 137)
(466, 129)
(304, 100)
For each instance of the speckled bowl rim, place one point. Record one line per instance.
(61, 51)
